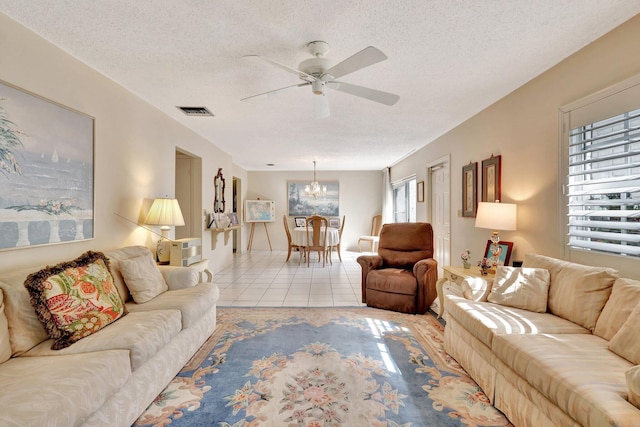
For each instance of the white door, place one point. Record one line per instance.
(440, 211)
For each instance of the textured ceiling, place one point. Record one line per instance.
(447, 60)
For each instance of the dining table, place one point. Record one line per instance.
(299, 236)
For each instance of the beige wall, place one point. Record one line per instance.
(523, 129)
(135, 148)
(360, 200)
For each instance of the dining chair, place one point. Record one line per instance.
(316, 239)
(339, 241)
(291, 245)
(374, 237)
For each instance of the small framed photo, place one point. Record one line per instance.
(491, 179)
(470, 190)
(300, 221)
(233, 217)
(334, 222)
(420, 190)
(502, 254)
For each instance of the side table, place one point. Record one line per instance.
(201, 268)
(454, 276)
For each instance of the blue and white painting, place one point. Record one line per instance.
(302, 205)
(46, 171)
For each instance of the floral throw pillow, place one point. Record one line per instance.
(75, 299)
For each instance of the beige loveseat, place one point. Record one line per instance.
(569, 358)
(110, 377)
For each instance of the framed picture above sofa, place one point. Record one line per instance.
(470, 190)
(491, 170)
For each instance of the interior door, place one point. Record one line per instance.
(440, 211)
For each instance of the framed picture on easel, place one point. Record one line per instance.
(260, 211)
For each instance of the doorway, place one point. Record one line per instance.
(438, 173)
(188, 188)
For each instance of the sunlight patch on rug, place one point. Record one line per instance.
(321, 367)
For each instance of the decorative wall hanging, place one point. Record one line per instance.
(470, 190)
(302, 205)
(420, 191)
(46, 171)
(491, 171)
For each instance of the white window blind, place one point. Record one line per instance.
(604, 185)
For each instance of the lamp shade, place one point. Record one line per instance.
(165, 211)
(496, 216)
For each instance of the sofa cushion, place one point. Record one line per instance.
(625, 295)
(142, 277)
(476, 288)
(574, 371)
(75, 299)
(485, 320)
(626, 342)
(525, 288)
(5, 344)
(193, 302)
(633, 384)
(25, 330)
(60, 390)
(117, 255)
(576, 292)
(144, 334)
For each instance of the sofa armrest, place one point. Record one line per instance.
(426, 272)
(184, 277)
(368, 263)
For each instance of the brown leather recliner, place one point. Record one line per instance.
(402, 277)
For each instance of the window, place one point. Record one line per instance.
(603, 179)
(404, 201)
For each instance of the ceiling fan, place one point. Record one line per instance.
(318, 73)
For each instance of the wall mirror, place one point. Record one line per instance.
(218, 183)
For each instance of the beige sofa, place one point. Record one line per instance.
(111, 376)
(571, 358)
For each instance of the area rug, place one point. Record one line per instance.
(322, 367)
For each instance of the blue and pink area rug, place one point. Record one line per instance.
(322, 367)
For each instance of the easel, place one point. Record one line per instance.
(253, 227)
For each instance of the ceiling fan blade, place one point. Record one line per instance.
(367, 56)
(299, 73)
(385, 98)
(273, 92)
(321, 106)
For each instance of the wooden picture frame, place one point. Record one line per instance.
(470, 190)
(505, 253)
(300, 221)
(491, 182)
(420, 191)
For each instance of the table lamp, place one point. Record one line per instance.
(166, 213)
(496, 216)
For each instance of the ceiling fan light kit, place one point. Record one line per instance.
(319, 73)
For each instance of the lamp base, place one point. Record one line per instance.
(163, 252)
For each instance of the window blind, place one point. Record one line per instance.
(604, 185)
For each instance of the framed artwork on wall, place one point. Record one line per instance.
(303, 205)
(260, 211)
(46, 171)
(470, 190)
(491, 171)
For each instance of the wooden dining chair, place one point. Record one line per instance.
(374, 237)
(291, 245)
(339, 241)
(316, 239)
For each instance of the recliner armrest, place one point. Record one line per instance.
(368, 263)
(426, 272)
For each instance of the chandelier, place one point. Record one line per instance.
(315, 189)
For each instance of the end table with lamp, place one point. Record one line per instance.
(452, 282)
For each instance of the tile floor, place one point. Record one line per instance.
(264, 279)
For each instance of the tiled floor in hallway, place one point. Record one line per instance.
(264, 279)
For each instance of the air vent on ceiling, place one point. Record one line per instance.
(196, 111)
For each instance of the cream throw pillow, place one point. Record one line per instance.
(633, 383)
(625, 295)
(475, 289)
(5, 345)
(143, 278)
(625, 342)
(521, 287)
